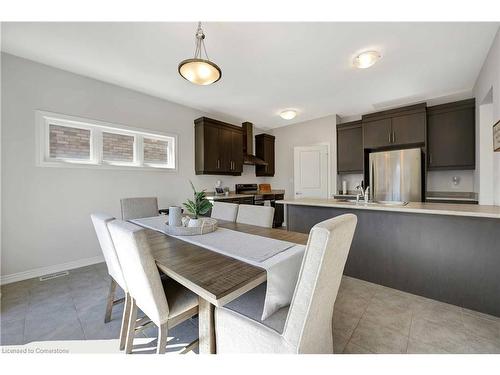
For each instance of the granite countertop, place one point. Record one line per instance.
(472, 210)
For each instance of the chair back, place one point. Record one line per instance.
(308, 327)
(261, 216)
(224, 211)
(139, 269)
(101, 222)
(136, 208)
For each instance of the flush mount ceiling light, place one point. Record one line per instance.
(198, 70)
(288, 114)
(366, 59)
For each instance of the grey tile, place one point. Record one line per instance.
(418, 347)
(344, 323)
(394, 298)
(480, 315)
(50, 326)
(94, 328)
(87, 298)
(361, 288)
(178, 337)
(437, 312)
(447, 335)
(52, 303)
(486, 328)
(389, 316)
(13, 309)
(350, 303)
(480, 345)
(12, 332)
(340, 340)
(352, 348)
(379, 339)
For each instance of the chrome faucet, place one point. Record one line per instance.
(360, 191)
(366, 195)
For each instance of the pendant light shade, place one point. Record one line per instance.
(198, 70)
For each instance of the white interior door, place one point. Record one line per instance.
(311, 171)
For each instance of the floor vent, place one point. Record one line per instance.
(54, 275)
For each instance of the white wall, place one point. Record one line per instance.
(488, 163)
(318, 131)
(45, 211)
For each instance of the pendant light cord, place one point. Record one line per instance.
(200, 41)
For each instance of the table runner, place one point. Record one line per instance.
(280, 259)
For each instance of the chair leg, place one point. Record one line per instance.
(162, 339)
(125, 321)
(131, 326)
(109, 304)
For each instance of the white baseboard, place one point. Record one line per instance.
(37, 272)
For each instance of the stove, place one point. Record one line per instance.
(263, 199)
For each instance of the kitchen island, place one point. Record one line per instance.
(447, 252)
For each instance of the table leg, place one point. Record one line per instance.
(206, 326)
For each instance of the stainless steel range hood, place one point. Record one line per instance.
(248, 157)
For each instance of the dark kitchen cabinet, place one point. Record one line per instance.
(451, 136)
(218, 147)
(264, 149)
(350, 147)
(377, 133)
(408, 129)
(396, 127)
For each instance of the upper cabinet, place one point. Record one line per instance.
(264, 149)
(451, 136)
(396, 127)
(350, 147)
(218, 147)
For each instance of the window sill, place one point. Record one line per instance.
(79, 165)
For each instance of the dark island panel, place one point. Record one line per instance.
(453, 259)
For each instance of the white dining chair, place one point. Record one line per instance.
(145, 287)
(261, 216)
(100, 222)
(306, 325)
(137, 208)
(224, 211)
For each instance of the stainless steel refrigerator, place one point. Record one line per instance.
(396, 175)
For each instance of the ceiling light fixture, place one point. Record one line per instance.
(366, 59)
(198, 70)
(288, 114)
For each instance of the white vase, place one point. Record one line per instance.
(195, 223)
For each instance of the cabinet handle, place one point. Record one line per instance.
(393, 136)
(390, 136)
(218, 163)
(430, 159)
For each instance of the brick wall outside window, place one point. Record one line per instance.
(117, 147)
(155, 151)
(67, 142)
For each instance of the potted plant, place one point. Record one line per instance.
(199, 206)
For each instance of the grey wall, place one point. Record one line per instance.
(45, 211)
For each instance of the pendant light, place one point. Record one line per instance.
(198, 70)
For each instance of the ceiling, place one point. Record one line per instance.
(268, 67)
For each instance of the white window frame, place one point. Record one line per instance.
(44, 119)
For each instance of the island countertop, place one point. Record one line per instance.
(471, 210)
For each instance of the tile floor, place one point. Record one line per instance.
(368, 318)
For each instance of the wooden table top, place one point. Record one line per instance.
(215, 277)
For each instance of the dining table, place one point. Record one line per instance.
(215, 278)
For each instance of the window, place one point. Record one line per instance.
(72, 141)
